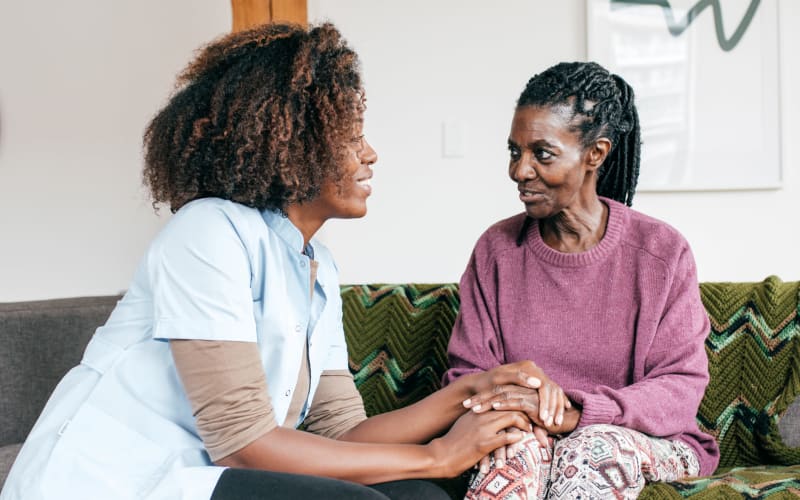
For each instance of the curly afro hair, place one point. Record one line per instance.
(260, 117)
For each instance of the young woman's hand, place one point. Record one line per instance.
(504, 453)
(525, 400)
(475, 435)
(524, 387)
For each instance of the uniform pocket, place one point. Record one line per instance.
(97, 456)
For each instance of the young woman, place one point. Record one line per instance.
(230, 335)
(602, 298)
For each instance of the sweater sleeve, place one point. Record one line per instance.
(672, 371)
(474, 344)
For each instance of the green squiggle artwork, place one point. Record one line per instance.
(677, 27)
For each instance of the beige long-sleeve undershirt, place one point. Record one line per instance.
(226, 386)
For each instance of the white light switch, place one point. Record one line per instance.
(454, 141)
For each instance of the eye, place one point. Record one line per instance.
(514, 153)
(357, 143)
(543, 154)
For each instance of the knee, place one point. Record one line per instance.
(599, 454)
(598, 442)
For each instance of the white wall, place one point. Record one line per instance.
(78, 82)
(428, 62)
(80, 79)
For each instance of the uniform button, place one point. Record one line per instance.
(288, 391)
(302, 263)
(297, 328)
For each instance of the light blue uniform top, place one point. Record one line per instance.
(119, 426)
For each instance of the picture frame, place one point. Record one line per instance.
(706, 79)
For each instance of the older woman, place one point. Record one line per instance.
(602, 298)
(230, 335)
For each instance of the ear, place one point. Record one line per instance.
(596, 153)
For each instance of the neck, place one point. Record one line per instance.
(576, 228)
(306, 219)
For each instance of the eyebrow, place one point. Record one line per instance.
(538, 142)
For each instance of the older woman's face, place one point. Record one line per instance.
(547, 161)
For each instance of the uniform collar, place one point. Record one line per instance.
(287, 231)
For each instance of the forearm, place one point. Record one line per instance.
(661, 406)
(288, 450)
(417, 423)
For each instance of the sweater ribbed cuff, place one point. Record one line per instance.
(598, 409)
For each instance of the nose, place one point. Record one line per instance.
(522, 170)
(368, 154)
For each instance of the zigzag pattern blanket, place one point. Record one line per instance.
(397, 336)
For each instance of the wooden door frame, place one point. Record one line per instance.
(249, 13)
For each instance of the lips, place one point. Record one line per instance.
(529, 196)
(365, 183)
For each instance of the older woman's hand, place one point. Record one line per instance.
(539, 397)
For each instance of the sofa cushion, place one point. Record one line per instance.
(7, 455)
(789, 426)
(41, 340)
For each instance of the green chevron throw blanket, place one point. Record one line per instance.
(397, 336)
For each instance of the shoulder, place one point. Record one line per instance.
(213, 212)
(211, 224)
(654, 237)
(500, 237)
(209, 215)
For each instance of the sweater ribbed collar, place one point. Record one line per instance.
(617, 221)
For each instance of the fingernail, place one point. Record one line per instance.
(496, 404)
(534, 381)
(559, 419)
(549, 422)
(484, 469)
(476, 408)
(544, 415)
(498, 464)
(466, 402)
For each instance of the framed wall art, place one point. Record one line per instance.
(706, 78)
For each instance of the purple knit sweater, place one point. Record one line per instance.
(619, 327)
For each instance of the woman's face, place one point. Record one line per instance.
(348, 199)
(548, 162)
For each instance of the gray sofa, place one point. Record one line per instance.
(397, 337)
(40, 341)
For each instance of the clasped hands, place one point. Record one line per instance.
(542, 400)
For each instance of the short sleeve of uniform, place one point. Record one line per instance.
(200, 275)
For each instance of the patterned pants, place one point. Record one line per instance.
(594, 462)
